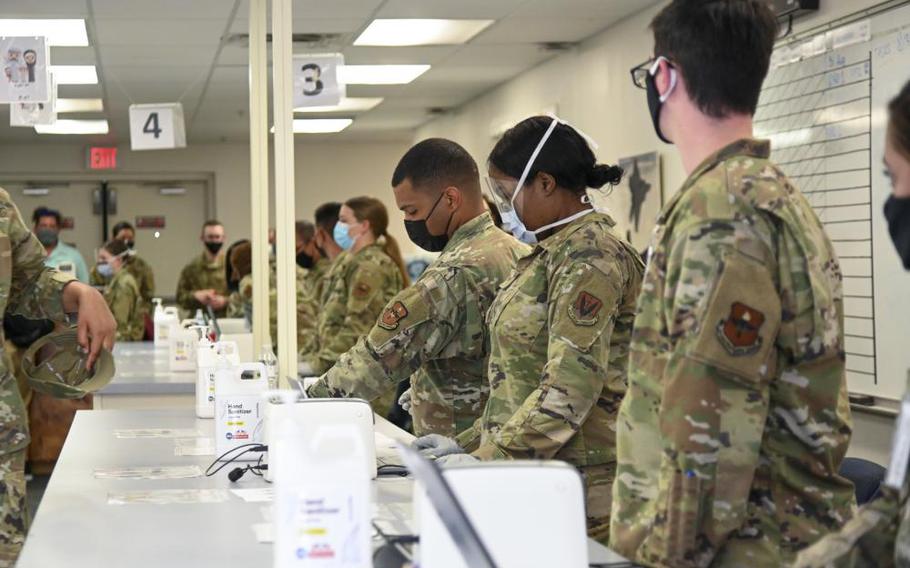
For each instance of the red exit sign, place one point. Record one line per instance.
(102, 158)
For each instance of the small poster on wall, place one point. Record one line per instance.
(25, 74)
(636, 202)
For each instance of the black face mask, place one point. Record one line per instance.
(129, 244)
(213, 248)
(654, 106)
(897, 212)
(420, 234)
(304, 260)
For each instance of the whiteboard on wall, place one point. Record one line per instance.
(824, 107)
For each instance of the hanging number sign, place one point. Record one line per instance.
(316, 81)
(157, 126)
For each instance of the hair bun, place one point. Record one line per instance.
(602, 174)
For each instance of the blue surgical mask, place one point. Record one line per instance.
(105, 270)
(342, 235)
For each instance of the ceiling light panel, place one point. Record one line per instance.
(58, 32)
(79, 105)
(319, 125)
(411, 32)
(75, 74)
(74, 127)
(352, 104)
(380, 74)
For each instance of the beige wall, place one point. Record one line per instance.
(590, 87)
(324, 172)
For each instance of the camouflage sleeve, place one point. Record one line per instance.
(363, 304)
(147, 285)
(123, 299)
(415, 326)
(469, 439)
(723, 312)
(580, 323)
(186, 285)
(94, 278)
(868, 539)
(36, 291)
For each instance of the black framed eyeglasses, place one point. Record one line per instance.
(640, 73)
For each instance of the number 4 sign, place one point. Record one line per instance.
(316, 80)
(157, 126)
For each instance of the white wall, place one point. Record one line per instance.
(324, 172)
(591, 88)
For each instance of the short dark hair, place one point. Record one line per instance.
(115, 247)
(121, 226)
(435, 163)
(211, 223)
(305, 230)
(566, 156)
(43, 211)
(899, 123)
(327, 215)
(721, 47)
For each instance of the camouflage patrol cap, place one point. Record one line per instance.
(55, 365)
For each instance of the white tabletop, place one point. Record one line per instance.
(143, 369)
(76, 527)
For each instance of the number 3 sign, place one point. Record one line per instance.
(316, 80)
(157, 126)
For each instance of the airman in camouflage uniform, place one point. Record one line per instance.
(559, 335)
(309, 305)
(358, 287)
(139, 269)
(27, 287)
(736, 418)
(242, 300)
(200, 274)
(433, 332)
(126, 303)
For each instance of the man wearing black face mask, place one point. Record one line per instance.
(433, 332)
(202, 282)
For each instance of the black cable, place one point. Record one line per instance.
(392, 470)
(404, 539)
(247, 448)
(618, 564)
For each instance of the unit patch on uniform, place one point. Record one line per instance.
(362, 290)
(392, 315)
(739, 332)
(585, 309)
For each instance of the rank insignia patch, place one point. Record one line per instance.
(739, 332)
(585, 309)
(392, 315)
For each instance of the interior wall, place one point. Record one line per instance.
(591, 88)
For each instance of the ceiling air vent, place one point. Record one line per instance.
(301, 40)
(555, 46)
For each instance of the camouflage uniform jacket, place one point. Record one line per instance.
(310, 297)
(736, 419)
(433, 332)
(358, 287)
(200, 274)
(122, 296)
(241, 304)
(29, 288)
(140, 270)
(559, 335)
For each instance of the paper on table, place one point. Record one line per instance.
(173, 472)
(265, 533)
(155, 433)
(194, 447)
(385, 447)
(168, 497)
(255, 495)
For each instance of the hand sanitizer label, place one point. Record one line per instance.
(238, 423)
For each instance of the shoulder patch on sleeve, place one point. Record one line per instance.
(585, 309)
(739, 331)
(392, 316)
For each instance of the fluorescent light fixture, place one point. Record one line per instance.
(380, 74)
(58, 32)
(172, 191)
(319, 125)
(36, 191)
(80, 105)
(74, 127)
(75, 74)
(353, 104)
(395, 32)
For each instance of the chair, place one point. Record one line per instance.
(866, 476)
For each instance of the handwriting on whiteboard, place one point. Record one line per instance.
(897, 43)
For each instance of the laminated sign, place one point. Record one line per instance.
(316, 81)
(157, 126)
(30, 114)
(26, 70)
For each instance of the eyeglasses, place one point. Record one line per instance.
(641, 71)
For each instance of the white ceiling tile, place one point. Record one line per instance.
(334, 8)
(309, 25)
(605, 11)
(161, 9)
(398, 55)
(156, 56)
(539, 30)
(72, 56)
(157, 32)
(44, 9)
(524, 55)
